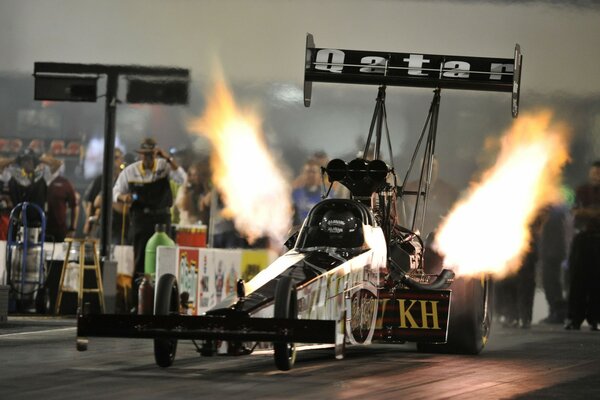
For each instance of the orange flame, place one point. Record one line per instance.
(254, 190)
(489, 230)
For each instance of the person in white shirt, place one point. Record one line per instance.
(145, 186)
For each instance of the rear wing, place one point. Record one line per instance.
(412, 69)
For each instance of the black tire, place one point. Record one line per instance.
(167, 302)
(42, 301)
(470, 318)
(285, 307)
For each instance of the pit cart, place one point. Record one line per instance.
(25, 260)
(353, 275)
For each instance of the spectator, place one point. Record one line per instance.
(221, 231)
(145, 185)
(4, 162)
(28, 178)
(553, 252)
(190, 195)
(584, 260)
(5, 203)
(320, 158)
(515, 294)
(61, 195)
(92, 200)
(174, 210)
(309, 194)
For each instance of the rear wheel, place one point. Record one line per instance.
(285, 307)
(167, 303)
(470, 318)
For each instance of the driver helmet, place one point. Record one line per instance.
(339, 227)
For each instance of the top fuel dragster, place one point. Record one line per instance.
(353, 275)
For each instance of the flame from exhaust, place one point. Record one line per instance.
(489, 230)
(254, 190)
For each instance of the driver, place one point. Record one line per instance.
(340, 228)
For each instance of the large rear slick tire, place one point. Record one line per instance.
(167, 303)
(470, 318)
(285, 307)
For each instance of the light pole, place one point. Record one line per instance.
(78, 82)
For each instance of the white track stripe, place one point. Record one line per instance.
(8, 335)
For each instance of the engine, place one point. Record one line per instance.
(405, 255)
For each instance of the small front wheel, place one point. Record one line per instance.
(167, 302)
(285, 307)
(42, 301)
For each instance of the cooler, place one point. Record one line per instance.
(191, 235)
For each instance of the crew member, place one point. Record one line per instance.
(584, 260)
(92, 200)
(145, 185)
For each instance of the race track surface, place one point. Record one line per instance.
(38, 360)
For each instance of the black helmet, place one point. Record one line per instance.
(339, 227)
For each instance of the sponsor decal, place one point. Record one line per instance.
(413, 316)
(252, 262)
(187, 276)
(302, 305)
(363, 307)
(413, 65)
(207, 291)
(227, 271)
(219, 281)
(231, 280)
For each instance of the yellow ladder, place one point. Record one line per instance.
(82, 268)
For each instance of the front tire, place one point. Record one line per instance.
(470, 318)
(285, 307)
(167, 303)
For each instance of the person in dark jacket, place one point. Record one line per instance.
(28, 177)
(60, 198)
(584, 260)
(553, 253)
